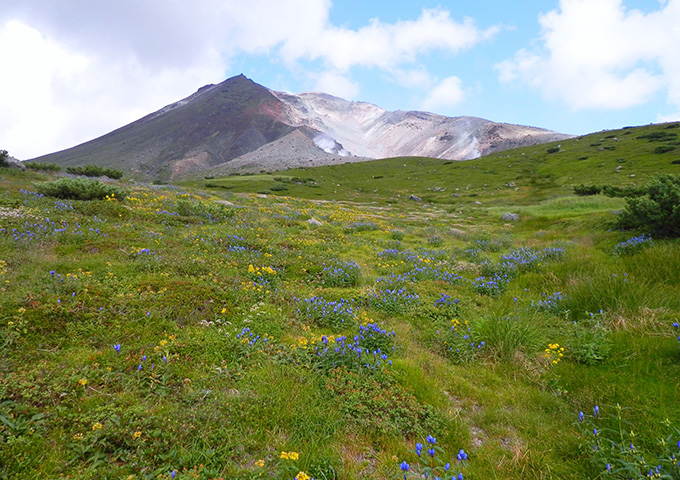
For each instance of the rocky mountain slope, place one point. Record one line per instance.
(238, 125)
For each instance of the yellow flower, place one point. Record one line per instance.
(284, 455)
(294, 456)
(137, 434)
(82, 381)
(96, 426)
(259, 463)
(78, 436)
(302, 476)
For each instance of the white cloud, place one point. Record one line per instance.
(337, 84)
(81, 69)
(446, 94)
(596, 54)
(386, 46)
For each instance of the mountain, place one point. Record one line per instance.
(240, 125)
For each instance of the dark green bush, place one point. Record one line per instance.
(80, 189)
(585, 190)
(95, 171)
(553, 150)
(49, 167)
(623, 192)
(658, 211)
(664, 148)
(3, 157)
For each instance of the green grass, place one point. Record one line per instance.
(204, 297)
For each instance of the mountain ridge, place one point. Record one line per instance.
(220, 123)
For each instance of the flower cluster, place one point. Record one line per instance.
(327, 313)
(341, 274)
(633, 245)
(554, 353)
(431, 466)
(550, 303)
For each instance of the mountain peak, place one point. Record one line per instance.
(238, 117)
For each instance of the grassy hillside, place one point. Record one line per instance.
(619, 157)
(191, 332)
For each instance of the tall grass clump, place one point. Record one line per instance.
(47, 167)
(505, 337)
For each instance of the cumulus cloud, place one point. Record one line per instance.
(446, 94)
(337, 84)
(80, 69)
(597, 54)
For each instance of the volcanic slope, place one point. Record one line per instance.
(237, 118)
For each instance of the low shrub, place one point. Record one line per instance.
(657, 212)
(80, 189)
(585, 190)
(48, 167)
(95, 171)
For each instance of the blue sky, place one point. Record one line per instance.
(81, 69)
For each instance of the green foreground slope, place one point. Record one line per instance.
(216, 332)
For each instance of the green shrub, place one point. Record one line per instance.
(553, 150)
(80, 189)
(623, 192)
(657, 212)
(3, 158)
(49, 167)
(585, 190)
(95, 171)
(664, 148)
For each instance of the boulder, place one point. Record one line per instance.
(415, 198)
(11, 162)
(313, 221)
(510, 217)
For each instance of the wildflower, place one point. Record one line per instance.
(431, 439)
(172, 474)
(78, 436)
(116, 347)
(96, 426)
(302, 476)
(460, 476)
(447, 466)
(431, 451)
(580, 416)
(596, 410)
(137, 434)
(259, 463)
(82, 381)
(462, 455)
(404, 467)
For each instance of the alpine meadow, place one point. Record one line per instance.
(515, 316)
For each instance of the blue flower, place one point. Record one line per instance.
(431, 439)
(460, 476)
(461, 455)
(596, 410)
(431, 451)
(172, 474)
(447, 466)
(116, 347)
(580, 416)
(404, 466)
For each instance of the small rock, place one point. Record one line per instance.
(315, 222)
(415, 198)
(511, 184)
(510, 217)
(225, 202)
(478, 202)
